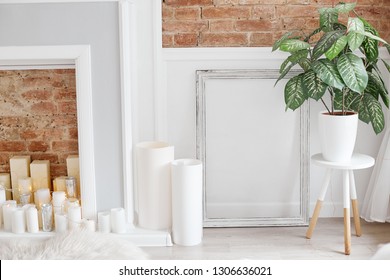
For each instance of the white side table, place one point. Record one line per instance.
(358, 161)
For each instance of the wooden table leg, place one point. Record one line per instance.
(317, 209)
(347, 217)
(355, 207)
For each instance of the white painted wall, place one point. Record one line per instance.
(179, 98)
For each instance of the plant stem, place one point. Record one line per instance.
(343, 107)
(323, 102)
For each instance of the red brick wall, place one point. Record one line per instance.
(38, 116)
(251, 23)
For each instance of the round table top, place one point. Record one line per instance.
(358, 161)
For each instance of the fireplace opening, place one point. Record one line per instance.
(38, 117)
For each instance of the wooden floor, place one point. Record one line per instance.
(280, 243)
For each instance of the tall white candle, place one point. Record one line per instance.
(118, 220)
(61, 222)
(3, 198)
(58, 199)
(104, 224)
(41, 196)
(5, 181)
(8, 207)
(20, 167)
(32, 219)
(40, 174)
(187, 199)
(74, 217)
(18, 221)
(154, 185)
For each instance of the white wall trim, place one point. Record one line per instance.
(81, 57)
(53, 1)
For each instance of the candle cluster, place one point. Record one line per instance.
(27, 202)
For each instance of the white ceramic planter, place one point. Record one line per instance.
(153, 177)
(187, 199)
(337, 136)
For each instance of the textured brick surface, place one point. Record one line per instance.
(247, 23)
(38, 116)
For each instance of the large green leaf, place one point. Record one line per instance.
(313, 86)
(337, 47)
(281, 40)
(353, 72)
(370, 46)
(294, 58)
(374, 110)
(372, 36)
(328, 16)
(347, 97)
(355, 33)
(387, 65)
(305, 64)
(345, 7)
(294, 94)
(284, 73)
(326, 42)
(293, 45)
(376, 88)
(388, 48)
(328, 73)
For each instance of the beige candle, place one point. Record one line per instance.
(40, 174)
(5, 181)
(20, 167)
(59, 184)
(73, 169)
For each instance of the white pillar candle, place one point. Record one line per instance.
(61, 222)
(25, 185)
(118, 220)
(69, 203)
(154, 185)
(58, 199)
(41, 196)
(74, 217)
(40, 174)
(73, 170)
(187, 201)
(104, 224)
(8, 207)
(5, 181)
(89, 225)
(3, 198)
(18, 221)
(20, 167)
(32, 219)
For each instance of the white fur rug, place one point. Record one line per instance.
(71, 245)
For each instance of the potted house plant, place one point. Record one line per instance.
(340, 59)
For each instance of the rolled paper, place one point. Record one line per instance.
(42, 196)
(47, 217)
(20, 167)
(73, 170)
(8, 207)
(118, 220)
(61, 222)
(74, 217)
(32, 219)
(104, 224)
(154, 185)
(40, 174)
(5, 181)
(187, 202)
(89, 225)
(59, 184)
(71, 187)
(18, 221)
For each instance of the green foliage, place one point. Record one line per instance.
(343, 62)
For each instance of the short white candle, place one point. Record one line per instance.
(8, 207)
(58, 199)
(74, 217)
(104, 224)
(118, 220)
(41, 196)
(32, 219)
(18, 221)
(61, 222)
